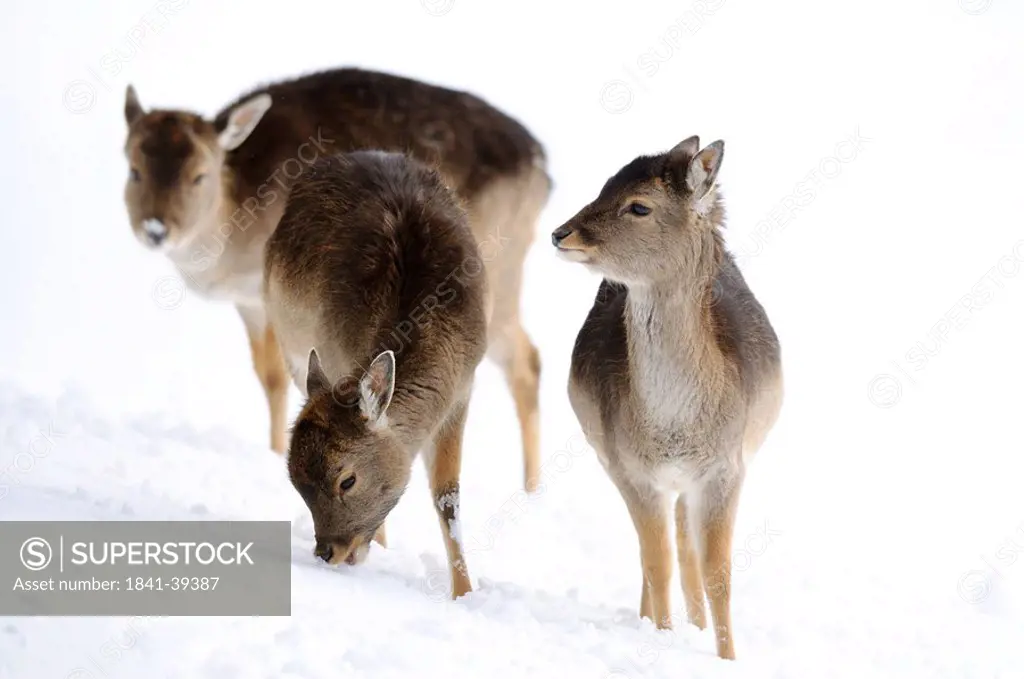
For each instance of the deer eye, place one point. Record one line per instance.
(134, 174)
(199, 179)
(639, 209)
(346, 484)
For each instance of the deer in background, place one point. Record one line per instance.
(208, 193)
(676, 373)
(368, 241)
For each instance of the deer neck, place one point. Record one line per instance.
(214, 261)
(674, 359)
(413, 418)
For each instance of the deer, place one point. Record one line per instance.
(374, 284)
(208, 194)
(676, 373)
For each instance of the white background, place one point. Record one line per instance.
(893, 475)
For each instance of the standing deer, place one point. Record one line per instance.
(676, 373)
(375, 287)
(209, 193)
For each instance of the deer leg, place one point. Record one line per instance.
(717, 518)
(520, 361)
(650, 514)
(275, 383)
(269, 364)
(689, 567)
(443, 461)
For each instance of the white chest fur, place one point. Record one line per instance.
(665, 378)
(237, 288)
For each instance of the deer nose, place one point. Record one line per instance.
(324, 550)
(559, 234)
(155, 230)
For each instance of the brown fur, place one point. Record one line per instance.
(218, 228)
(374, 267)
(676, 373)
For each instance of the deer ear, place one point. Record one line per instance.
(703, 170)
(677, 161)
(132, 108)
(316, 380)
(377, 387)
(243, 120)
(683, 152)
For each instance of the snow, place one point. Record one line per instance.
(872, 175)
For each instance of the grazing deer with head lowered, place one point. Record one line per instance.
(676, 374)
(209, 192)
(375, 287)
